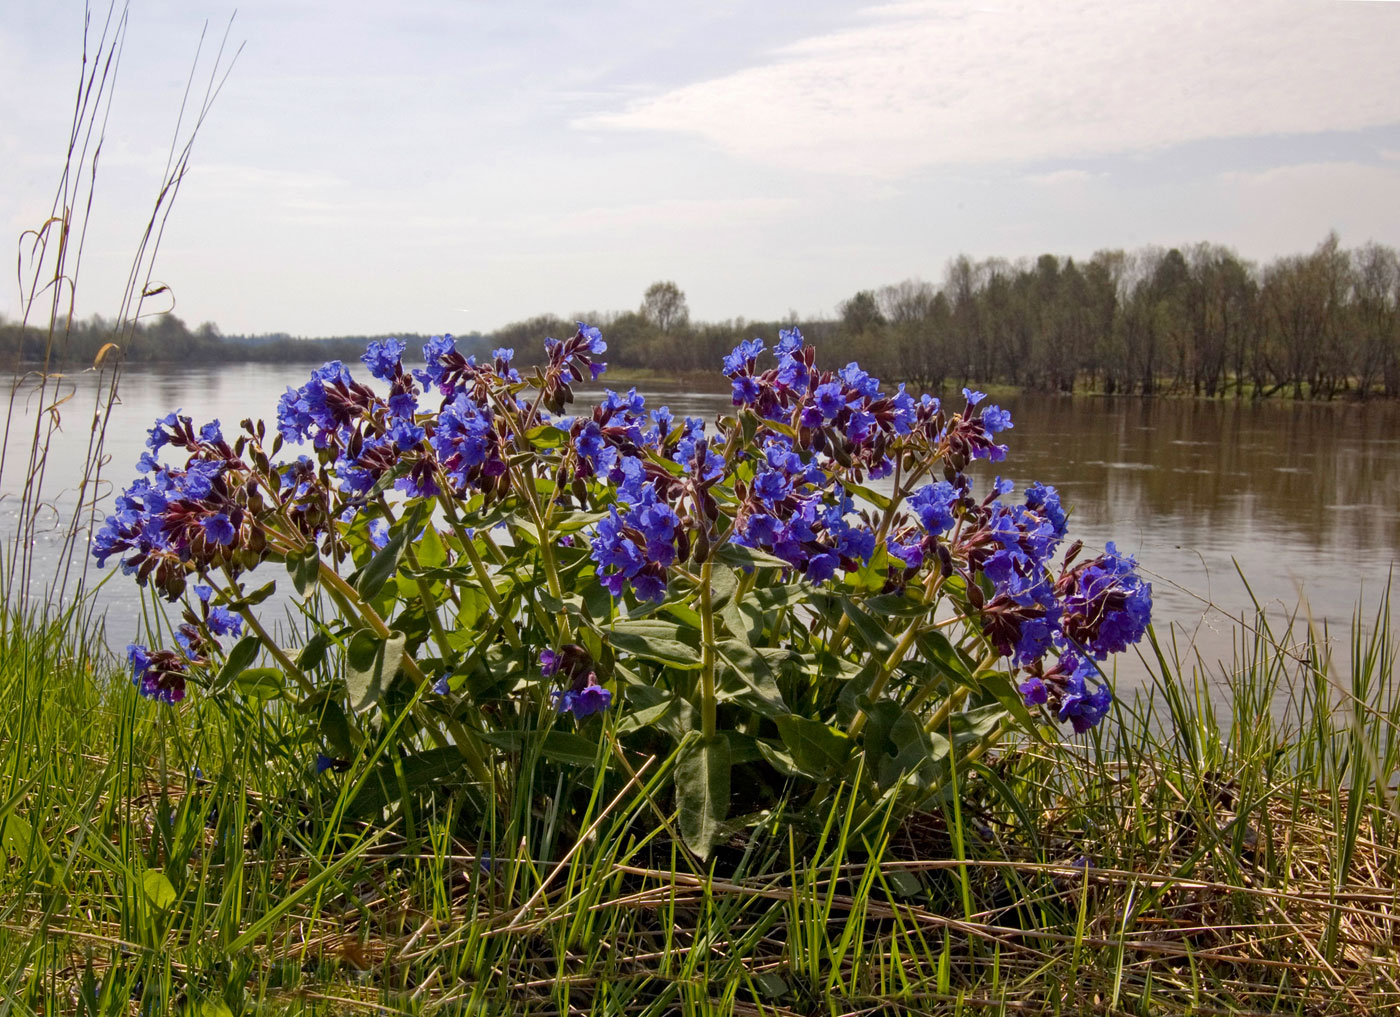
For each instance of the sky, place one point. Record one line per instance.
(431, 167)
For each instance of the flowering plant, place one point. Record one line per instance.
(809, 590)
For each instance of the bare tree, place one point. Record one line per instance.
(664, 306)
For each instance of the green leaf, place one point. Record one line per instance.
(779, 596)
(780, 759)
(975, 725)
(474, 604)
(214, 1008)
(935, 648)
(652, 639)
(314, 651)
(252, 599)
(16, 836)
(871, 632)
(265, 683)
(897, 605)
(429, 549)
(880, 501)
(816, 749)
(158, 889)
(546, 436)
(650, 707)
(750, 558)
(897, 746)
(335, 729)
(430, 770)
(370, 664)
(371, 579)
(244, 652)
(305, 570)
(702, 791)
(560, 746)
(749, 678)
(723, 583)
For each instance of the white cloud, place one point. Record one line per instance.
(936, 83)
(674, 213)
(1063, 178)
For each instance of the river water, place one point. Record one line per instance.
(1304, 499)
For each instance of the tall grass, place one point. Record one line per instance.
(161, 859)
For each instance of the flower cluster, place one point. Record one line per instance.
(786, 476)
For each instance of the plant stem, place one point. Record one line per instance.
(707, 654)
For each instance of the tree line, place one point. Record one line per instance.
(1198, 320)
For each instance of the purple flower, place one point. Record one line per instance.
(1034, 692)
(549, 663)
(157, 674)
(591, 698)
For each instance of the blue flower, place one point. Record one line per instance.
(995, 420)
(830, 399)
(911, 553)
(219, 529)
(745, 391)
(743, 356)
(223, 622)
(157, 674)
(1046, 501)
(383, 358)
(770, 486)
(1079, 705)
(1107, 606)
(789, 341)
(821, 567)
(860, 383)
(933, 504)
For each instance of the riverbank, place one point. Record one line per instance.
(185, 860)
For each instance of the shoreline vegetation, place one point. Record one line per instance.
(1175, 861)
(1197, 320)
(198, 856)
